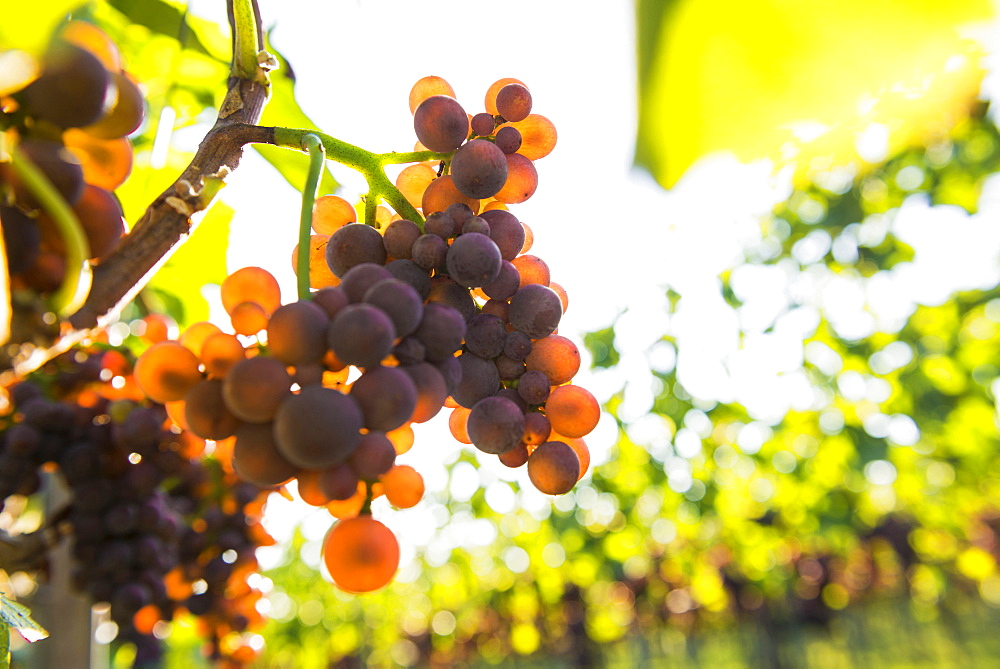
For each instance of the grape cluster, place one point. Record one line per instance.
(337, 435)
(149, 518)
(406, 318)
(72, 122)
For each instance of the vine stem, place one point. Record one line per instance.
(317, 154)
(75, 285)
(246, 41)
(370, 165)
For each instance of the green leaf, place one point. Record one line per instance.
(173, 21)
(17, 616)
(200, 261)
(283, 110)
(30, 26)
(601, 345)
(797, 83)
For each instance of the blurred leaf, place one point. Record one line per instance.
(799, 81)
(173, 21)
(19, 617)
(200, 261)
(283, 110)
(601, 345)
(29, 26)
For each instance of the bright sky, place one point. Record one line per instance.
(612, 238)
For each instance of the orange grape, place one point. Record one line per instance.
(195, 335)
(554, 468)
(404, 486)
(166, 371)
(361, 554)
(414, 180)
(106, 163)
(219, 352)
(320, 275)
(572, 410)
(532, 269)
(538, 136)
(331, 212)
(426, 87)
(557, 356)
(250, 284)
(442, 193)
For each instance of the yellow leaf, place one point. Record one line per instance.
(802, 81)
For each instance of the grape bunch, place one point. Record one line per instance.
(72, 122)
(337, 435)
(149, 518)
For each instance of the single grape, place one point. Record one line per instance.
(445, 291)
(352, 245)
(443, 193)
(332, 212)
(495, 425)
(73, 88)
(165, 372)
(485, 335)
(440, 123)
(399, 301)
(413, 274)
(572, 410)
(440, 223)
(515, 457)
(535, 310)
(473, 260)
(255, 387)
(533, 387)
(387, 397)
(205, 411)
(429, 251)
(317, 427)
(431, 390)
(296, 333)
(557, 356)
(514, 102)
(491, 93)
(532, 269)
(506, 231)
(374, 456)
(361, 334)
(483, 124)
(506, 283)
(479, 379)
(508, 139)
(427, 86)
(399, 237)
(128, 111)
(522, 180)
(361, 554)
(479, 169)
(554, 468)
(441, 331)
(256, 457)
(357, 280)
(250, 284)
(538, 136)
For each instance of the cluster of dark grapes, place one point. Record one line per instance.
(72, 122)
(337, 435)
(138, 498)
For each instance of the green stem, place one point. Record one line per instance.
(314, 146)
(247, 41)
(370, 165)
(71, 294)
